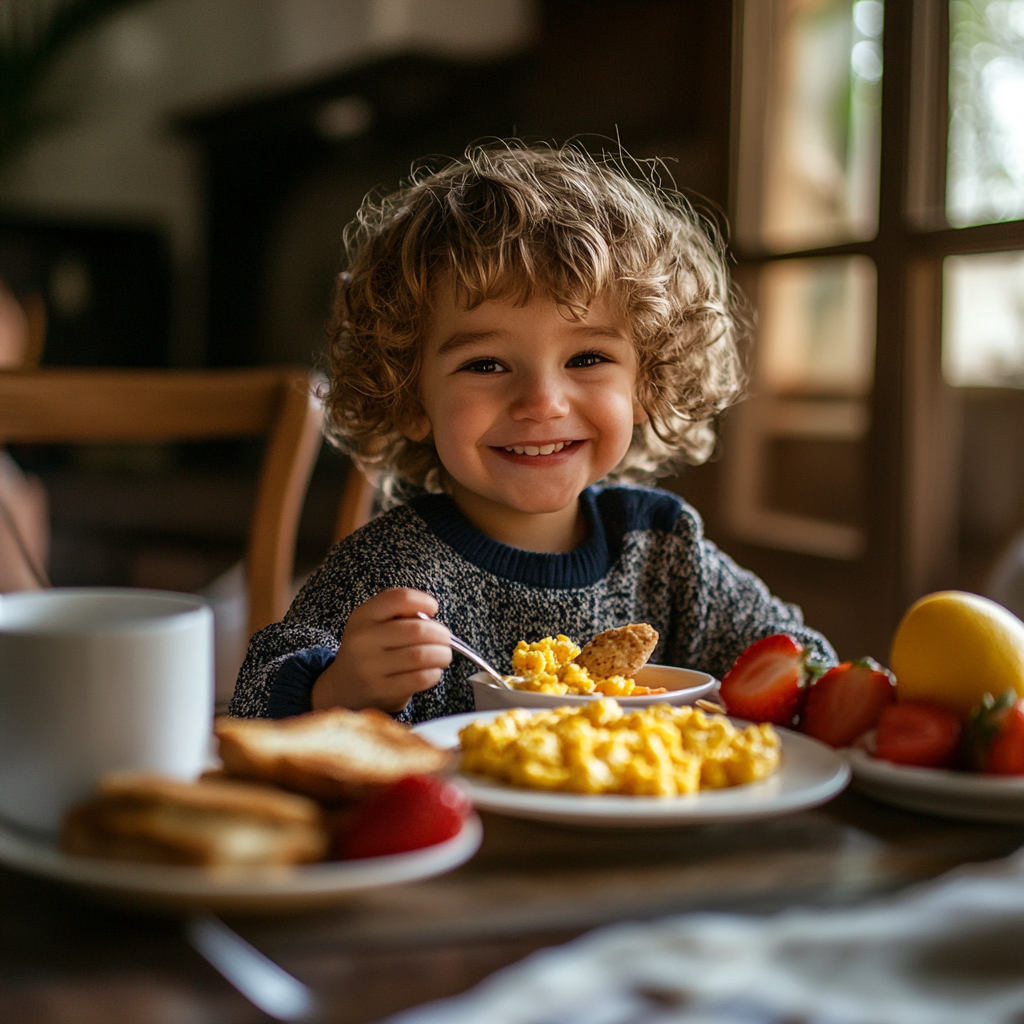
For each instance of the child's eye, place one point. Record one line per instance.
(484, 366)
(586, 359)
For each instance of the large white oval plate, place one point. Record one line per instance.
(940, 792)
(248, 890)
(683, 686)
(811, 773)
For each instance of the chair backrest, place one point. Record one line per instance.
(356, 506)
(54, 406)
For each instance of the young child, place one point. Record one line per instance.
(514, 331)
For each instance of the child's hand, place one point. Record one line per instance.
(386, 654)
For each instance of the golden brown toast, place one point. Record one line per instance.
(212, 824)
(619, 652)
(330, 755)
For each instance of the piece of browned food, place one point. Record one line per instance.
(330, 755)
(619, 652)
(160, 820)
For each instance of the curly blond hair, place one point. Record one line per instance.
(511, 221)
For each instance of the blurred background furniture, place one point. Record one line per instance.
(52, 406)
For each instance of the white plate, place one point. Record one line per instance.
(937, 791)
(684, 686)
(810, 774)
(249, 890)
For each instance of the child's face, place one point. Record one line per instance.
(500, 381)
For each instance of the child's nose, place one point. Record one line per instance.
(540, 396)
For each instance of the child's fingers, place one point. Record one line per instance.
(398, 603)
(419, 657)
(409, 683)
(397, 633)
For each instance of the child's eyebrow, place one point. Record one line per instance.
(600, 331)
(463, 338)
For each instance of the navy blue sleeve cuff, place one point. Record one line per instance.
(292, 688)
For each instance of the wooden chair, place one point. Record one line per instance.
(356, 505)
(94, 406)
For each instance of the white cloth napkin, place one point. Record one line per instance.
(950, 952)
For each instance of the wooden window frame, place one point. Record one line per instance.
(912, 440)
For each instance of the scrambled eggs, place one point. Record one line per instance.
(547, 667)
(599, 748)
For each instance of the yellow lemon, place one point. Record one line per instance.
(952, 647)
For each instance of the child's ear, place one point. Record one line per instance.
(415, 425)
(639, 413)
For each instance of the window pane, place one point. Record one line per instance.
(983, 320)
(817, 331)
(809, 122)
(985, 179)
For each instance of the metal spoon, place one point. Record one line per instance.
(477, 658)
(257, 977)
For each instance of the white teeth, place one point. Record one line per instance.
(529, 449)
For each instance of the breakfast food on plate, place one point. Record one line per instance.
(151, 818)
(555, 664)
(600, 748)
(226, 819)
(994, 735)
(619, 652)
(952, 648)
(916, 732)
(769, 680)
(847, 701)
(416, 811)
(955, 697)
(328, 755)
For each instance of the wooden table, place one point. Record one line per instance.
(65, 961)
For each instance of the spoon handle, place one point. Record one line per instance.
(476, 657)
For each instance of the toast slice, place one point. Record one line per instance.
(619, 652)
(329, 755)
(160, 820)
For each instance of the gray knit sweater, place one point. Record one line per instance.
(644, 559)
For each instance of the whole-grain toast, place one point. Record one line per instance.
(619, 652)
(156, 819)
(330, 755)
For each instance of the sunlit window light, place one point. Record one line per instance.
(983, 320)
(985, 180)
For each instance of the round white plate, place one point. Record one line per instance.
(239, 890)
(937, 791)
(684, 686)
(810, 774)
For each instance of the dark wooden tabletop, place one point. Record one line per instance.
(64, 960)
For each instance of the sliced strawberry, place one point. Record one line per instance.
(847, 701)
(416, 811)
(994, 737)
(919, 733)
(769, 681)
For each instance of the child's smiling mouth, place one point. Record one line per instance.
(532, 449)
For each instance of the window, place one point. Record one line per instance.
(878, 204)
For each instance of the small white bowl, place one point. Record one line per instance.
(683, 686)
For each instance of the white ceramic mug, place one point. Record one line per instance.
(98, 680)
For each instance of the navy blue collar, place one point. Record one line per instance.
(587, 563)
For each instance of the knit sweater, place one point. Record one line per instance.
(644, 559)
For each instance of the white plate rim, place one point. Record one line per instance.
(686, 695)
(758, 800)
(937, 781)
(39, 855)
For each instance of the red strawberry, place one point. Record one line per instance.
(416, 811)
(919, 733)
(769, 681)
(847, 701)
(994, 738)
